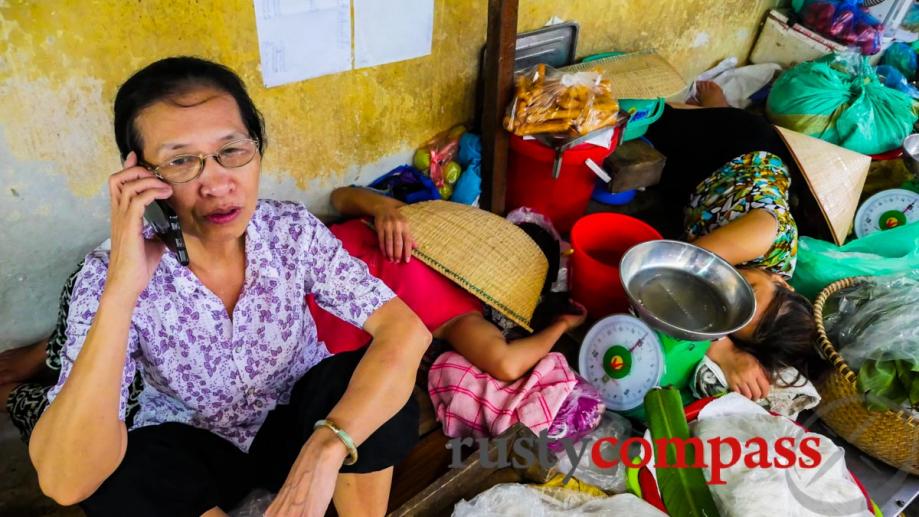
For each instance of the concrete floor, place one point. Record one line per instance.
(19, 493)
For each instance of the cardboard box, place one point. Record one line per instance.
(785, 44)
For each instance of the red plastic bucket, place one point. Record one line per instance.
(530, 183)
(599, 241)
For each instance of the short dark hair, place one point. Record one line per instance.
(551, 305)
(549, 247)
(787, 336)
(171, 77)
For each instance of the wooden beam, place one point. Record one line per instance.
(473, 477)
(500, 49)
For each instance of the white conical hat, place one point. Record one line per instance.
(834, 175)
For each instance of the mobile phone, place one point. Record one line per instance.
(165, 223)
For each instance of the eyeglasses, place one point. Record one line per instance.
(187, 167)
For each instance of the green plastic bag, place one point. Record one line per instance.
(821, 263)
(839, 98)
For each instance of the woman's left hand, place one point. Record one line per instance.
(394, 234)
(310, 484)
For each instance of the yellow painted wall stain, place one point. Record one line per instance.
(63, 61)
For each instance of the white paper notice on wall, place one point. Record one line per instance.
(300, 39)
(386, 31)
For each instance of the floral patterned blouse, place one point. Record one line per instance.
(754, 180)
(202, 367)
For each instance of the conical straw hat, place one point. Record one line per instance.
(834, 175)
(483, 253)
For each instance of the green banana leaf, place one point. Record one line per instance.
(880, 382)
(908, 372)
(914, 393)
(683, 490)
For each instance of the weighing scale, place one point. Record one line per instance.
(624, 358)
(886, 210)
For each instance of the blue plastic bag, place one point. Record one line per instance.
(902, 57)
(893, 78)
(469, 185)
(406, 184)
(470, 150)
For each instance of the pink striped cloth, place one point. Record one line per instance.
(469, 402)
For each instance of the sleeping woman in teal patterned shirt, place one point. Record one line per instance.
(732, 175)
(741, 213)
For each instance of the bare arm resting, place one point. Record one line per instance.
(483, 344)
(80, 440)
(380, 386)
(748, 237)
(393, 232)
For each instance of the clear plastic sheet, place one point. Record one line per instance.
(610, 480)
(549, 101)
(513, 500)
(878, 319)
(254, 505)
(876, 330)
(528, 215)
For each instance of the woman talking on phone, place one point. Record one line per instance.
(238, 391)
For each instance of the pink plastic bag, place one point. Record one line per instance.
(845, 21)
(579, 415)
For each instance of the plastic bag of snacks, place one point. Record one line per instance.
(437, 159)
(549, 101)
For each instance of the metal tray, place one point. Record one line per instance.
(554, 45)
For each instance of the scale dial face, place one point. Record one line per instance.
(622, 357)
(885, 210)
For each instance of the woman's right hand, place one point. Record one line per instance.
(393, 233)
(133, 258)
(745, 375)
(574, 319)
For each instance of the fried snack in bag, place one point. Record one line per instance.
(549, 101)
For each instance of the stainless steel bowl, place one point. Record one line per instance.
(911, 153)
(685, 291)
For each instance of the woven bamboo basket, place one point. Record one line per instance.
(890, 436)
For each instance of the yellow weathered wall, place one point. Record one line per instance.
(66, 59)
(62, 61)
(691, 34)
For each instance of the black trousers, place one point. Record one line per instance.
(175, 469)
(697, 142)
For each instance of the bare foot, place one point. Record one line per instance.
(24, 363)
(710, 95)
